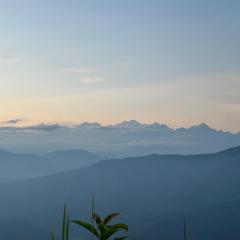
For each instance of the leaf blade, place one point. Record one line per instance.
(113, 229)
(108, 218)
(121, 238)
(87, 226)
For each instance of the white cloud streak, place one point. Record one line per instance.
(85, 74)
(79, 70)
(92, 80)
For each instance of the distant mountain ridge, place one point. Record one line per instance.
(135, 124)
(128, 138)
(123, 124)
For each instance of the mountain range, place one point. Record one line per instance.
(153, 193)
(128, 138)
(19, 166)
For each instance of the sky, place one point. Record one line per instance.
(174, 62)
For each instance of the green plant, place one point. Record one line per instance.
(103, 230)
(65, 226)
(185, 229)
(52, 235)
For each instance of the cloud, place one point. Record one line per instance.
(85, 74)
(39, 127)
(79, 70)
(14, 121)
(9, 60)
(92, 80)
(44, 127)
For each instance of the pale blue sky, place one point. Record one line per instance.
(106, 60)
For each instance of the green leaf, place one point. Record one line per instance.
(97, 218)
(110, 217)
(120, 226)
(64, 223)
(113, 229)
(67, 227)
(52, 235)
(87, 226)
(92, 211)
(120, 238)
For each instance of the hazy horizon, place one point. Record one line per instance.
(24, 123)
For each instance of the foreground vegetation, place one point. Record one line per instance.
(100, 228)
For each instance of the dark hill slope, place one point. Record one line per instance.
(153, 192)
